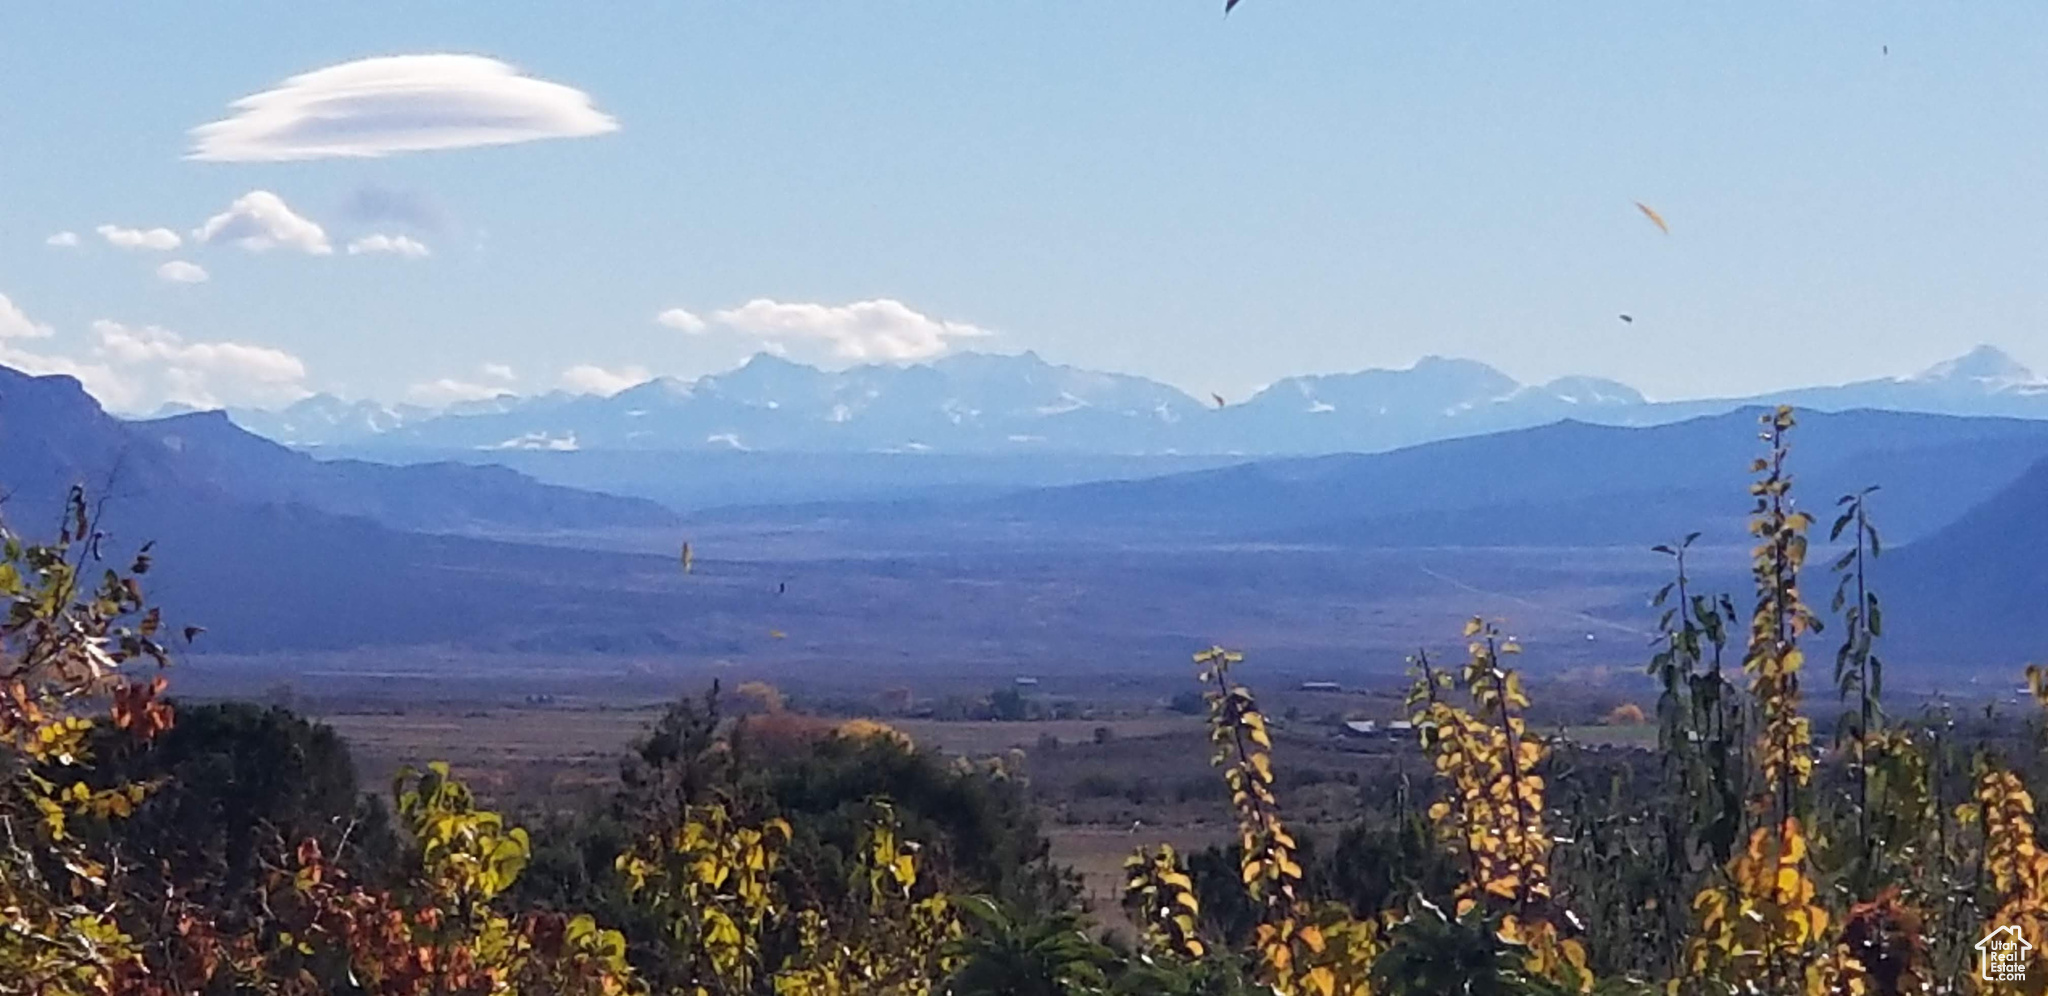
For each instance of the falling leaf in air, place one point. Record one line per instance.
(1629, 319)
(1655, 218)
(689, 558)
(193, 631)
(776, 634)
(1229, 5)
(1218, 398)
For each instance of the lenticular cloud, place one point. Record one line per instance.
(404, 103)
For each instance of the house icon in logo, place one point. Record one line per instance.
(2002, 955)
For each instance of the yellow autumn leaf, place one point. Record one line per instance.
(1313, 937)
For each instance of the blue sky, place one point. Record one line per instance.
(1142, 186)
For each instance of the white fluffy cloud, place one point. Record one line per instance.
(864, 330)
(98, 379)
(63, 240)
(586, 378)
(133, 369)
(160, 239)
(178, 271)
(499, 371)
(681, 320)
(260, 221)
(395, 244)
(405, 103)
(15, 323)
(157, 365)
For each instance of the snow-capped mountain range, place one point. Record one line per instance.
(987, 403)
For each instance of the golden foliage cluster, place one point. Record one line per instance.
(1492, 814)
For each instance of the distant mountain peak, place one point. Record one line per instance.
(1594, 391)
(482, 406)
(1987, 365)
(662, 388)
(214, 417)
(764, 379)
(765, 360)
(1433, 361)
(975, 359)
(56, 381)
(995, 402)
